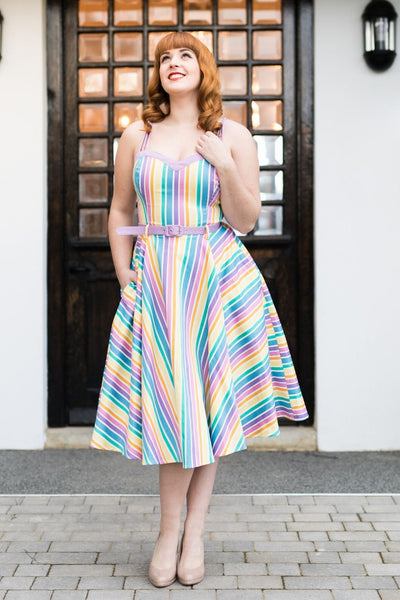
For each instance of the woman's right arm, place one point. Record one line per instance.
(122, 209)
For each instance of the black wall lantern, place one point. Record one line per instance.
(1, 32)
(379, 34)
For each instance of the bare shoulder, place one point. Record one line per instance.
(236, 135)
(132, 136)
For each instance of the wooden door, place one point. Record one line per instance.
(100, 56)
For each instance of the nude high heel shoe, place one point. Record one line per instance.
(194, 574)
(162, 576)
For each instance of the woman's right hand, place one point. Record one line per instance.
(126, 277)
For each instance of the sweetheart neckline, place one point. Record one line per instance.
(170, 161)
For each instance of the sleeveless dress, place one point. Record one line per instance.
(197, 359)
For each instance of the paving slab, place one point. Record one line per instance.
(109, 546)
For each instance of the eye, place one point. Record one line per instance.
(187, 54)
(164, 58)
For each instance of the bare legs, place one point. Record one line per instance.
(177, 485)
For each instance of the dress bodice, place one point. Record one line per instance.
(184, 192)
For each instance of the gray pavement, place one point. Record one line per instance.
(258, 547)
(92, 471)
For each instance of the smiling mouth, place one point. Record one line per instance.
(175, 76)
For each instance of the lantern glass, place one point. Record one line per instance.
(1, 32)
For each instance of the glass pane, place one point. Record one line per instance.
(237, 111)
(93, 82)
(128, 12)
(93, 187)
(93, 152)
(128, 81)
(93, 117)
(126, 113)
(232, 12)
(267, 45)
(232, 45)
(271, 185)
(197, 12)
(93, 222)
(267, 12)
(128, 47)
(93, 13)
(153, 39)
(163, 12)
(115, 148)
(269, 149)
(270, 221)
(267, 114)
(267, 80)
(206, 38)
(233, 80)
(93, 47)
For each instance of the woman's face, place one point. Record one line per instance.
(179, 71)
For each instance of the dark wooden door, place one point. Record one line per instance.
(99, 60)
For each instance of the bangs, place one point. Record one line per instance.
(178, 39)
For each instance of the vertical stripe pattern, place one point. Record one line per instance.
(197, 359)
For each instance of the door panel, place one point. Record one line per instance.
(100, 57)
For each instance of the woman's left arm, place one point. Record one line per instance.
(236, 162)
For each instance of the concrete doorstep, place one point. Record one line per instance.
(297, 438)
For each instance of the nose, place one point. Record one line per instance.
(174, 62)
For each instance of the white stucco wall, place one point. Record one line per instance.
(23, 225)
(357, 246)
(357, 241)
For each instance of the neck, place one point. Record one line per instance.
(183, 110)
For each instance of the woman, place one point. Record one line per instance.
(197, 359)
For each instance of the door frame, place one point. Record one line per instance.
(305, 360)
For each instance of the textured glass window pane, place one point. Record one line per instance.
(93, 47)
(271, 185)
(197, 12)
(126, 113)
(232, 12)
(93, 13)
(232, 45)
(153, 38)
(205, 37)
(237, 111)
(269, 149)
(270, 221)
(233, 80)
(128, 12)
(115, 148)
(93, 82)
(128, 81)
(163, 12)
(93, 187)
(93, 117)
(267, 12)
(267, 114)
(93, 222)
(267, 45)
(93, 152)
(128, 47)
(267, 80)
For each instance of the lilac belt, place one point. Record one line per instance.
(168, 230)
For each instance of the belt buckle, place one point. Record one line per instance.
(173, 230)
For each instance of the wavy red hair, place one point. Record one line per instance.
(209, 98)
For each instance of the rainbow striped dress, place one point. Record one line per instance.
(197, 359)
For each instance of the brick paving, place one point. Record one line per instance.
(258, 547)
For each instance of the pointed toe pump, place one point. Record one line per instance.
(190, 575)
(162, 576)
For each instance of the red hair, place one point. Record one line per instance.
(209, 96)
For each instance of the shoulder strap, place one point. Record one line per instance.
(145, 139)
(221, 131)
